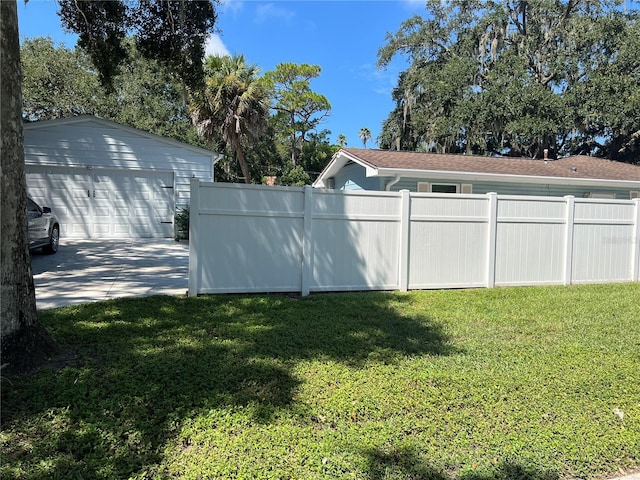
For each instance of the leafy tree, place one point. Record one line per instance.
(147, 95)
(233, 106)
(295, 177)
(100, 25)
(342, 140)
(174, 33)
(299, 110)
(317, 152)
(516, 78)
(365, 135)
(57, 82)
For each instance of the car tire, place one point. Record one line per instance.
(54, 240)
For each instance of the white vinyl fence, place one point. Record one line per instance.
(249, 238)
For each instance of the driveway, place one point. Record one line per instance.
(88, 271)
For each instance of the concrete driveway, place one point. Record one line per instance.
(88, 271)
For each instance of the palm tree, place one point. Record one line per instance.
(233, 105)
(365, 135)
(342, 140)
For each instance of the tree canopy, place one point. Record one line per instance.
(60, 82)
(299, 109)
(173, 33)
(516, 78)
(232, 106)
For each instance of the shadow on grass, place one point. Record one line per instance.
(405, 463)
(148, 364)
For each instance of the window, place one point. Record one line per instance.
(444, 187)
(634, 194)
(601, 195)
(32, 207)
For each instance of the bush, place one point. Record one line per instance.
(296, 177)
(182, 224)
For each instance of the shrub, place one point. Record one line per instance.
(182, 224)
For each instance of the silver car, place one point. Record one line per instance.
(44, 228)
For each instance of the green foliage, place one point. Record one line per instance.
(57, 82)
(299, 110)
(182, 224)
(149, 97)
(364, 135)
(295, 177)
(232, 106)
(316, 153)
(102, 27)
(173, 33)
(145, 94)
(517, 78)
(503, 383)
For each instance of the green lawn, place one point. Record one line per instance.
(471, 384)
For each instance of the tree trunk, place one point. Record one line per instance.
(294, 156)
(25, 344)
(243, 165)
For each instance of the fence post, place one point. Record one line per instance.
(492, 226)
(403, 260)
(635, 245)
(194, 234)
(568, 245)
(307, 245)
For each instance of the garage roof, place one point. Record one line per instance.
(108, 123)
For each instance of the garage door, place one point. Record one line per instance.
(103, 203)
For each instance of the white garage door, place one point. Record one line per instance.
(103, 203)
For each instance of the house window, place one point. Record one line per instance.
(601, 195)
(634, 194)
(444, 187)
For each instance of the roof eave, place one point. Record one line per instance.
(215, 156)
(338, 161)
(497, 177)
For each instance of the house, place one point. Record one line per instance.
(107, 180)
(580, 176)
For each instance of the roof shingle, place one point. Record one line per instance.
(577, 166)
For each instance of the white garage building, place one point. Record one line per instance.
(106, 180)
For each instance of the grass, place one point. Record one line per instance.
(471, 384)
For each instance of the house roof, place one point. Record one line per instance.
(574, 169)
(91, 119)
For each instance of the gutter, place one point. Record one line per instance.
(392, 183)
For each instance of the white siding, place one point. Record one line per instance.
(88, 142)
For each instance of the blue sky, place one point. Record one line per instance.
(343, 37)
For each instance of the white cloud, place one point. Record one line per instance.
(379, 81)
(232, 6)
(215, 46)
(267, 11)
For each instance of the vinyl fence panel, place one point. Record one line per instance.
(355, 240)
(248, 238)
(603, 239)
(530, 241)
(448, 241)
